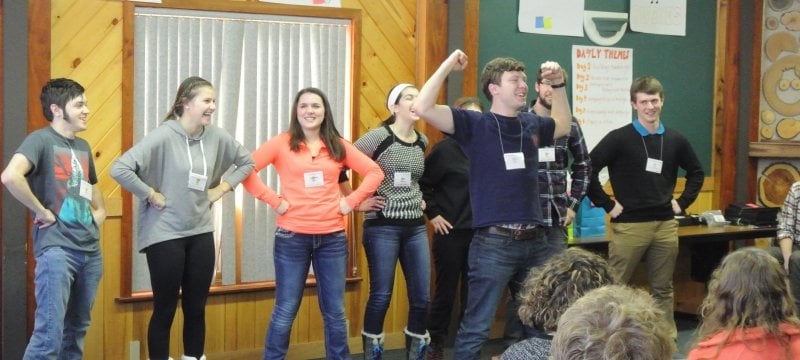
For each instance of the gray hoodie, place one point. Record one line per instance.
(161, 161)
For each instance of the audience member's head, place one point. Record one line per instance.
(468, 103)
(748, 289)
(551, 288)
(610, 323)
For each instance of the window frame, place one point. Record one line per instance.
(127, 294)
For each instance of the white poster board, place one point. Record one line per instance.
(562, 17)
(663, 17)
(601, 80)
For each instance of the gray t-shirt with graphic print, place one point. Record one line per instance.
(59, 164)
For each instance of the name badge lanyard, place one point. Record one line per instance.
(654, 165)
(512, 162)
(191, 161)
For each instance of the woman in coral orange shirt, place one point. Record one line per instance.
(309, 158)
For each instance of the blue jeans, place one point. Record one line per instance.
(293, 254)
(515, 330)
(66, 283)
(494, 260)
(384, 245)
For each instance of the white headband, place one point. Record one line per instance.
(394, 94)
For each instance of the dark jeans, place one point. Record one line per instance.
(293, 254)
(183, 265)
(450, 255)
(384, 246)
(515, 330)
(494, 260)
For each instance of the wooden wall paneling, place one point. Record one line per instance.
(214, 341)
(396, 25)
(431, 50)
(93, 47)
(38, 60)
(64, 14)
(375, 86)
(117, 322)
(471, 31)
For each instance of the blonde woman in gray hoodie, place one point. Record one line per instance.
(176, 173)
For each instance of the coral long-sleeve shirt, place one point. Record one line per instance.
(313, 201)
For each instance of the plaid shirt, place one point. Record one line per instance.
(553, 177)
(788, 226)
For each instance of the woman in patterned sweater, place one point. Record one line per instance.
(395, 229)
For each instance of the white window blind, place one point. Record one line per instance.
(257, 63)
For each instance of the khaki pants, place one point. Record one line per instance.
(657, 243)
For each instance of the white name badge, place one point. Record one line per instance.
(197, 182)
(547, 154)
(654, 165)
(402, 178)
(313, 179)
(514, 160)
(86, 190)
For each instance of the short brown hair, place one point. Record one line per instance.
(493, 72)
(648, 85)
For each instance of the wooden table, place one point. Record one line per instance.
(697, 234)
(701, 249)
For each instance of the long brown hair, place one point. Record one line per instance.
(186, 92)
(327, 131)
(749, 289)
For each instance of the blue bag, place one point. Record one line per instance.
(590, 220)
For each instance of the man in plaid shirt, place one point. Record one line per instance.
(788, 238)
(558, 205)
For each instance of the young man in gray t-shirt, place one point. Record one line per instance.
(53, 175)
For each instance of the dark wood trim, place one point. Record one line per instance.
(39, 13)
(231, 289)
(727, 119)
(755, 97)
(354, 15)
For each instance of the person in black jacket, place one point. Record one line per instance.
(643, 159)
(445, 189)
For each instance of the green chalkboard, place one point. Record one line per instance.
(684, 65)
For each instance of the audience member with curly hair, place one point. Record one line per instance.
(548, 291)
(614, 322)
(748, 312)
